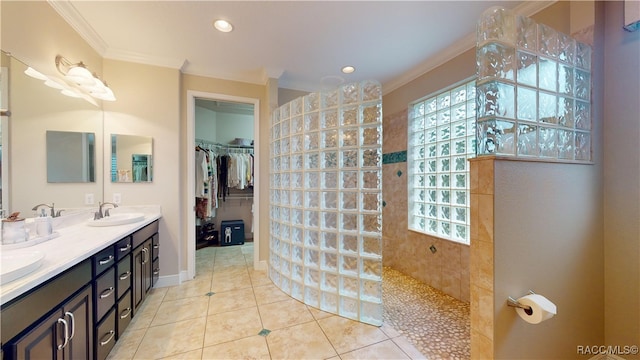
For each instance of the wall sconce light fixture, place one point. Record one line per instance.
(83, 80)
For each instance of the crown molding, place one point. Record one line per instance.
(68, 12)
(527, 8)
(135, 57)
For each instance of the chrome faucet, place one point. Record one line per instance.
(100, 214)
(52, 207)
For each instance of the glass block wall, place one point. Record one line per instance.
(533, 91)
(326, 200)
(442, 136)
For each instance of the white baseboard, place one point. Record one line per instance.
(169, 280)
(262, 265)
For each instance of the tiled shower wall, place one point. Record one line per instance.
(410, 252)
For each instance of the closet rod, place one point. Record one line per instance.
(228, 146)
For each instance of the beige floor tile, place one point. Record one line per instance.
(228, 272)
(253, 347)
(181, 309)
(193, 288)
(127, 345)
(284, 314)
(234, 320)
(304, 341)
(232, 325)
(317, 313)
(269, 293)
(231, 300)
(156, 295)
(347, 335)
(144, 315)
(390, 331)
(227, 283)
(387, 350)
(259, 278)
(171, 339)
(189, 355)
(408, 348)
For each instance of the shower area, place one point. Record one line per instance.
(328, 169)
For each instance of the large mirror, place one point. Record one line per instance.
(41, 118)
(131, 158)
(71, 157)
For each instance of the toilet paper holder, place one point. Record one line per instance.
(513, 302)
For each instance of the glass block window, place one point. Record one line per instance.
(442, 136)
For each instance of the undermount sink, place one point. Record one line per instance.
(117, 219)
(18, 263)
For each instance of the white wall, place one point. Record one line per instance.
(206, 124)
(148, 104)
(231, 126)
(621, 86)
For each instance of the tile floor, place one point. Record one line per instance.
(231, 311)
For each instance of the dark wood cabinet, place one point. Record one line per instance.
(65, 334)
(81, 313)
(142, 273)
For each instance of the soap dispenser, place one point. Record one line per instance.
(44, 224)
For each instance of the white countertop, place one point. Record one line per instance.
(77, 241)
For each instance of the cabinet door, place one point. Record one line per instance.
(138, 276)
(148, 267)
(47, 338)
(78, 314)
(42, 341)
(142, 273)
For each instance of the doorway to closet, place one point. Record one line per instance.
(226, 129)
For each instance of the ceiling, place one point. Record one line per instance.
(304, 44)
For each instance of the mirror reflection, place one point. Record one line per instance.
(70, 157)
(131, 158)
(37, 110)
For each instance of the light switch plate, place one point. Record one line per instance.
(117, 198)
(88, 199)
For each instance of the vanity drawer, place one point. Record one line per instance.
(155, 246)
(105, 336)
(105, 293)
(123, 248)
(124, 312)
(123, 276)
(103, 261)
(143, 234)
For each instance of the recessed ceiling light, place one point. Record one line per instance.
(223, 25)
(348, 69)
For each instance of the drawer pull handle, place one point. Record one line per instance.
(110, 334)
(156, 246)
(126, 248)
(107, 292)
(73, 324)
(125, 276)
(66, 333)
(124, 316)
(156, 271)
(106, 260)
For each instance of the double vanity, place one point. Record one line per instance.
(76, 293)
